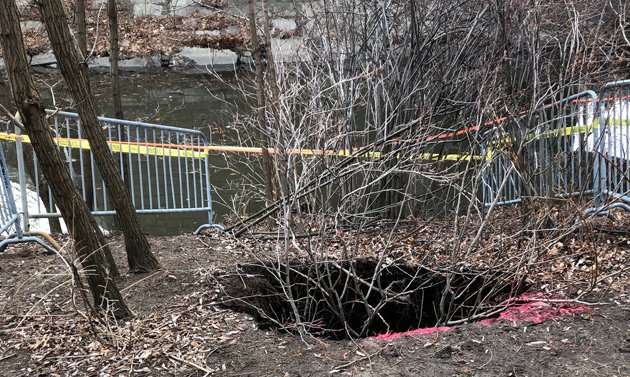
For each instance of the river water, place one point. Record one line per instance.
(201, 102)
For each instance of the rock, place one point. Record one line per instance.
(183, 8)
(21, 4)
(97, 4)
(283, 24)
(232, 29)
(212, 33)
(29, 25)
(139, 62)
(47, 58)
(147, 9)
(289, 50)
(98, 63)
(217, 60)
(246, 60)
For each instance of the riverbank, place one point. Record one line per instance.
(188, 36)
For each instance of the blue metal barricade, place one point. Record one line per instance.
(543, 153)
(9, 217)
(166, 168)
(611, 145)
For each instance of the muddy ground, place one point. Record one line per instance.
(180, 330)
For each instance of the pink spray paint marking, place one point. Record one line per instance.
(525, 309)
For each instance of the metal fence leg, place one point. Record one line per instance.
(9, 212)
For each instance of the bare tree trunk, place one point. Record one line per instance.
(271, 80)
(139, 253)
(81, 27)
(114, 51)
(73, 208)
(82, 42)
(261, 102)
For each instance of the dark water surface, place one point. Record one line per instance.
(202, 102)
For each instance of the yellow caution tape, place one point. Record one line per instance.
(167, 150)
(176, 151)
(563, 132)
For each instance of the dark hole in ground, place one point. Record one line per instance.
(340, 300)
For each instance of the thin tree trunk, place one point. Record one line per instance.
(112, 16)
(139, 253)
(281, 162)
(73, 208)
(261, 102)
(114, 52)
(82, 42)
(81, 27)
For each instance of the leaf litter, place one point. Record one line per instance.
(179, 328)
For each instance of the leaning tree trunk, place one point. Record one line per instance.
(82, 41)
(74, 210)
(81, 27)
(112, 17)
(139, 253)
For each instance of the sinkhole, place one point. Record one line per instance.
(362, 298)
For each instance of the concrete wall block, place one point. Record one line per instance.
(44, 59)
(210, 58)
(211, 33)
(289, 50)
(147, 9)
(284, 24)
(183, 7)
(29, 25)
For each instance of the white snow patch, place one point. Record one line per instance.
(35, 205)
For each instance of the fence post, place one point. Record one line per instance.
(599, 166)
(19, 148)
(11, 218)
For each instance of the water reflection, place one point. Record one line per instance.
(200, 102)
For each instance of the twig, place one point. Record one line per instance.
(190, 363)
(8, 356)
(14, 119)
(350, 363)
(573, 301)
(140, 281)
(489, 360)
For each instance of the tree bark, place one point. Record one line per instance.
(139, 253)
(114, 51)
(261, 102)
(112, 16)
(81, 27)
(82, 42)
(74, 210)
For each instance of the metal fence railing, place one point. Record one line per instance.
(542, 153)
(10, 219)
(165, 168)
(611, 144)
(575, 147)
(579, 147)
